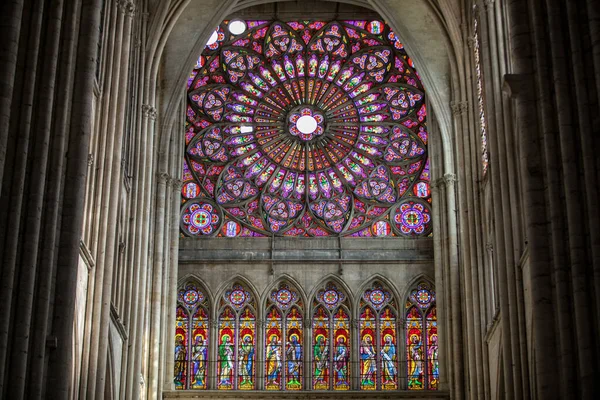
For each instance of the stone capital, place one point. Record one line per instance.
(176, 184)
(471, 42)
(149, 111)
(449, 179)
(459, 107)
(164, 178)
(90, 160)
(127, 7)
(488, 5)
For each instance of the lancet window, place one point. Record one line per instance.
(480, 95)
(305, 128)
(284, 339)
(331, 339)
(421, 339)
(378, 352)
(191, 338)
(236, 355)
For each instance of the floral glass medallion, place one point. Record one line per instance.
(305, 128)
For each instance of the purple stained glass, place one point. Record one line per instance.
(304, 120)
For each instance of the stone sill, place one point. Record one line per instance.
(312, 395)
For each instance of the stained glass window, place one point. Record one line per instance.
(422, 339)
(378, 340)
(236, 353)
(480, 97)
(284, 338)
(191, 338)
(305, 128)
(331, 339)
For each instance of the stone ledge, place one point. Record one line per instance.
(312, 395)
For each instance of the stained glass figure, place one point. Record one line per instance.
(191, 338)
(283, 339)
(305, 128)
(421, 339)
(236, 364)
(378, 339)
(331, 339)
(181, 354)
(273, 356)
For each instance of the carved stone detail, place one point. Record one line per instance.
(450, 179)
(176, 184)
(127, 7)
(149, 111)
(459, 107)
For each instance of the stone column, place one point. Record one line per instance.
(59, 366)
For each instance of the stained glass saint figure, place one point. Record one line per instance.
(388, 361)
(294, 359)
(199, 358)
(273, 359)
(321, 360)
(369, 364)
(246, 357)
(226, 363)
(180, 361)
(341, 358)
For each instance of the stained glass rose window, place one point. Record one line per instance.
(306, 128)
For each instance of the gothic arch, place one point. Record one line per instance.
(369, 282)
(246, 282)
(282, 279)
(413, 283)
(193, 278)
(429, 48)
(323, 281)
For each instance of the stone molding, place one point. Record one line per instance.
(149, 111)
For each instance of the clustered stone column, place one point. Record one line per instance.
(537, 204)
(47, 72)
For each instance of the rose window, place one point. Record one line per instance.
(306, 128)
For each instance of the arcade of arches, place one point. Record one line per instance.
(299, 199)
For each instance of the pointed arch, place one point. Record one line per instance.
(240, 279)
(195, 279)
(378, 336)
(331, 335)
(237, 335)
(412, 284)
(284, 334)
(192, 334)
(338, 281)
(286, 278)
(387, 283)
(421, 337)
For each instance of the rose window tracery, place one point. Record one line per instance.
(306, 128)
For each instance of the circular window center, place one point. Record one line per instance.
(306, 124)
